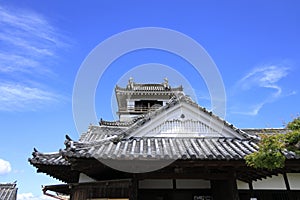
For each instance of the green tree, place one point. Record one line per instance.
(272, 147)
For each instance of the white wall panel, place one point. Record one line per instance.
(294, 180)
(192, 184)
(274, 183)
(242, 185)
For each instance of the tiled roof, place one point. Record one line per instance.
(257, 131)
(55, 165)
(48, 158)
(96, 133)
(165, 148)
(8, 191)
(120, 123)
(114, 140)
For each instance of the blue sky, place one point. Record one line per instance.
(254, 44)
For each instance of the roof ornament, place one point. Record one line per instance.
(69, 143)
(35, 152)
(130, 83)
(68, 138)
(166, 83)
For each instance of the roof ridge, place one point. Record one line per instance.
(118, 122)
(8, 185)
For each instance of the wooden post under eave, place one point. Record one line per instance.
(133, 190)
(225, 189)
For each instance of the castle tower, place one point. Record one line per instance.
(136, 98)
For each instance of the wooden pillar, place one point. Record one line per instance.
(79, 194)
(225, 189)
(288, 188)
(251, 189)
(133, 190)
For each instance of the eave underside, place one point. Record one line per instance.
(186, 169)
(180, 169)
(61, 172)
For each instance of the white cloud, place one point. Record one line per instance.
(27, 37)
(266, 76)
(19, 97)
(5, 167)
(30, 196)
(263, 80)
(29, 45)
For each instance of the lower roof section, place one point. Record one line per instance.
(8, 191)
(164, 148)
(66, 189)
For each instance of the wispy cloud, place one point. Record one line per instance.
(251, 110)
(5, 167)
(29, 44)
(266, 77)
(11, 96)
(263, 87)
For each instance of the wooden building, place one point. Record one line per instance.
(165, 147)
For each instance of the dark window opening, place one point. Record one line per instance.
(145, 105)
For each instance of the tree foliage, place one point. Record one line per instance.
(272, 147)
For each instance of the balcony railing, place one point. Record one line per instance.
(138, 109)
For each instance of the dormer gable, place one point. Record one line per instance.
(186, 119)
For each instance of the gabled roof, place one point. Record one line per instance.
(129, 127)
(8, 191)
(118, 140)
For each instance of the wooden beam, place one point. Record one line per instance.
(183, 176)
(286, 181)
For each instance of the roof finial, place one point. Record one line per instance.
(130, 83)
(166, 83)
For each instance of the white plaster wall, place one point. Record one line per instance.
(83, 178)
(294, 180)
(126, 117)
(275, 183)
(156, 184)
(192, 184)
(242, 185)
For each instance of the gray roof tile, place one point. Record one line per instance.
(8, 191)
(167, 148)
(48, 159)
